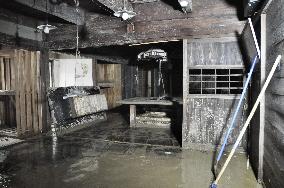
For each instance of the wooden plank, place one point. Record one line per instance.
(132, 115)
(7, 92)
(61, 10)
(217, 18)
(12, 65)
(3, 81)
(145, 101)
(7, 73)
(22, 84)
(7, 110)
(185, 132)
(39, 77)
(34, 92)
(28, 76)
(1, 59)
(1, 114)
(118, 87)
(17, 85)
(262, 102)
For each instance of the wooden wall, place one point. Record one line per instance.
(7, 93)
(23, 78)
(138, 84)
(108, 76)
(206, 117)
(273, 158)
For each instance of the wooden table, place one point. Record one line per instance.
(133, 102)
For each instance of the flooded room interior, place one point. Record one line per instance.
(142, 94)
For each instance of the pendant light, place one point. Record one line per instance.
(124, 13)
(46, 27)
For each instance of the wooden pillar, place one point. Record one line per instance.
(262, 102)
(44, 83)
(149, 82)
(132, 114)
(185, 90)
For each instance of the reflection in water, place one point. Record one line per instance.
(54, 141)
(4, 179)
(54, 147)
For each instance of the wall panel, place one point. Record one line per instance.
(206, 117)
(273, 171)
(21, 85)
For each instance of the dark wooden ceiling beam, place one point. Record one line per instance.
(210, 18)
(116, 5)
(143, 1)
(63, 10)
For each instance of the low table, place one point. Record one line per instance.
(133, 102)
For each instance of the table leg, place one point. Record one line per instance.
(132, 114)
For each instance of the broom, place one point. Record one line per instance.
(215, 183)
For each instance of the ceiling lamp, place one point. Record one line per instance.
(186, 5)
(124, 13)
(46, 27)
(183, 3)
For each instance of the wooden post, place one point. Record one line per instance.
(2, 67)
(28, 75)
(17, 85)
(22, 85)
(185, 88)
(149, 82)
(132, 114)
(262, 101)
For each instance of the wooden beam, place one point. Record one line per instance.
(263, 26)
(143, 1)
(153, 23)
(116, 5)
(111, 59)
(106, 58)
(13, 41)
(21, 31)
(63, 10)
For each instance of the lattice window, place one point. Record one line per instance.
(216, 80)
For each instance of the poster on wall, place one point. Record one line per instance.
(72, 72)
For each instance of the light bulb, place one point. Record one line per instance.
(125, 16)
(183, 3)
(46, 30)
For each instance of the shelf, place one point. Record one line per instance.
(106, 84)
(7, 92)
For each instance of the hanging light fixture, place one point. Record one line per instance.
(186, 5)
(46, 27)
(183, 3)
(124, 13)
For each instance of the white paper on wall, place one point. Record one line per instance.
(72, 72)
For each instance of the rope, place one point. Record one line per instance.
(77, 41)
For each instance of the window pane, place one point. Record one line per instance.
(215, 81)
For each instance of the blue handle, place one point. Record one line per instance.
(237, 110)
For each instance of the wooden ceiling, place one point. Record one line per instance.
(156, 20)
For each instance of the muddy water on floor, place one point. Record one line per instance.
(75, 162)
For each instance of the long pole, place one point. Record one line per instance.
(243, 93)
(277, 61)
